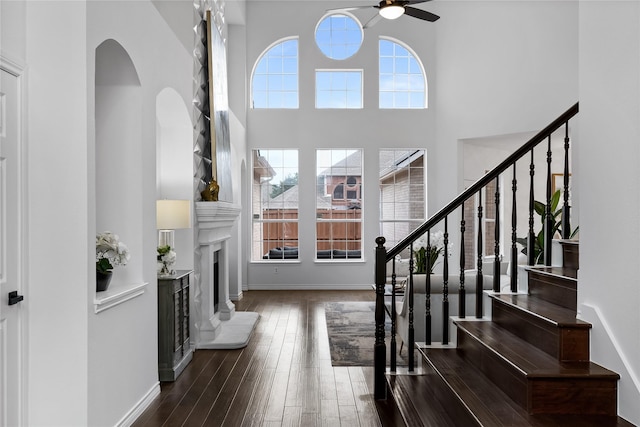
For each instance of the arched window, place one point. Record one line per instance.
(402, 78)
(274, 82)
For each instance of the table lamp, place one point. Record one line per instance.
(171, 215)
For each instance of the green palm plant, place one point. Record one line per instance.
(556, 216)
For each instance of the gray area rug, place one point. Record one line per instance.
(351, 328)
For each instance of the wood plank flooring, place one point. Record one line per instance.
(283, 377)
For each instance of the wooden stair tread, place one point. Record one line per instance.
(491, 406)
(560, 316)
(568, 273)
(528, 359)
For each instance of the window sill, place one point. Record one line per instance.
(116, 295)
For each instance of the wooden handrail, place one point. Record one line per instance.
(479, 184)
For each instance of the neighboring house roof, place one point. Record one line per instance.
(289, 200)
(392, 161)
(350, 165)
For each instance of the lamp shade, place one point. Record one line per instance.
(173, 214)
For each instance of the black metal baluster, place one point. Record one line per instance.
(566, 209)
(393, 349)
(462, 292)
(427, 296)
(496, 247)
(380, 348)
(514, 220)
(548, 217)
(479, 279)
(531, 239)
(445, 285)
(409, 294)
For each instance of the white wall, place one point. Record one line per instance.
(61, 247)
(123, 340)
(609, 295)
(481, 83)
(88, 356)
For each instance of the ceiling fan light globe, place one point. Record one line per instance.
(391, 11)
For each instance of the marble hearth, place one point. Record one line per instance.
(217, 326)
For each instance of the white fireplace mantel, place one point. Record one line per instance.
(224, 327)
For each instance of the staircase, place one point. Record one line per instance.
(527, 366)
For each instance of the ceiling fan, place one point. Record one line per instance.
(393, 9)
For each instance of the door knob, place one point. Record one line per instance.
(14, 298)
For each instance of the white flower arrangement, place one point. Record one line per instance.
(166, 259)
(424, 260)
(110, 251)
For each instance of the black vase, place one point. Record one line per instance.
(103, 280)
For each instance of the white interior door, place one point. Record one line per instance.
(11, 248)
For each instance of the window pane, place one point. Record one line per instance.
(275, 204)
(401, 76)
(338, 36)
(402, 190)
(338, 89)
(275, 79)
(338, 217)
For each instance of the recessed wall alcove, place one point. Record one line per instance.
(118, 156)
(174, 163)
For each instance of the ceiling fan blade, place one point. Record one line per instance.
(373, 21)
(347, 9)
(415, 1)
(420, 14)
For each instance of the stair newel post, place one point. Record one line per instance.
(566, 209)
(479, 279)
(409, 294)
(445, 285)
(380, 348)
(548, 217)
(462, 292)
(427, 296)
(531, 239)
(514, 221)
(496, 247)
(393, 346)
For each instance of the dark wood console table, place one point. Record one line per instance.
(174, 348)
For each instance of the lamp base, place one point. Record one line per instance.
(166, 238)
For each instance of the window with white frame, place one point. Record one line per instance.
(339, 36)
(274, 83)
(339, 89)
(338, 204)
(275, 205)
(402, 82)
(402, 193)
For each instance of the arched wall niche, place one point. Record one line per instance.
(174, 162)
(118, 155)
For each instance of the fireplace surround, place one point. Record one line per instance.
(217, 325)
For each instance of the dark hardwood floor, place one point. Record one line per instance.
(283, 377)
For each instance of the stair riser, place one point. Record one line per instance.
(556, 290)
(557, 396)
(455, 409)
(570, 256)
(510, 380)
(565, 344)
(540, 395)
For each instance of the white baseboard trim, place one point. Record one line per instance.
(140, 407)
(609, 354)
(309, 287)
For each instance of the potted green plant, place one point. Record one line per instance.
(110, 252)
(556, 215)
